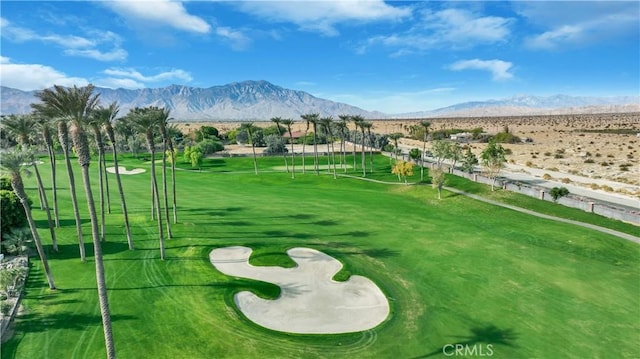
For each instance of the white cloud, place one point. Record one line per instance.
(579, 23)
(238, 40)
(161, 12)
(72, 45)
(131, 78)
(498, 68)
(29, 77)
(322, 16)
(452, 28)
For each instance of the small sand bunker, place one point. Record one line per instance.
(123, 170)
(310, 301)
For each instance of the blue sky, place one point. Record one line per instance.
(393, 56)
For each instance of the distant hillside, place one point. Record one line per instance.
(261, 101)
(248, 100)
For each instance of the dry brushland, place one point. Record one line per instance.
(595, 146)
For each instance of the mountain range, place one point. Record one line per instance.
(262, 100)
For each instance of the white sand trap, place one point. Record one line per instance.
(123, 170)
(310, 301)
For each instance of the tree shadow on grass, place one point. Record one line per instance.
(71, 251)
(43, 223)
(488, 334)
(36, 322)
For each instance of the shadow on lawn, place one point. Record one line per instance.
(36, 322)
(71, 251)
(488, 334)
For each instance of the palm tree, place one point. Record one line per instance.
(146, 122)
(313, 119)
(22, 127)
(289, 122)
(395, 137)
(172, 131)
(12, 164)
(65, 143)
(278, 121)
(342, 127)
(109, 114)
(304, 141)
(248, 126)
(425, 126)
(368, 126)
(44, 124)
(76, 104)
(162, 120)
(357, 120)
(326, 123)
(96, 121)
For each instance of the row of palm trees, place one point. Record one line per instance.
(73, 112)
(331, 129)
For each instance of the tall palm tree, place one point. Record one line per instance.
(395, 137)
(65, 143)
(44, 124)
(289, 122)
(23, 128)
(248, 126)
(357, 120)
(326, 123)
(163, 122)
(368, 125)
(96, 121)
(12, 164)
(278, 121)
(304, 141)
(313, 119)
(76, 104)
(342, 127)
(146, 122)
(109, 114)
(172, 131)
(425, 131)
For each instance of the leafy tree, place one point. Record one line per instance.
(11, 212)
(558, 192)
(196, 158)
(469, 161)
(12, 165)
(403, 170)
(493, 161)
(186, 154)
(275, 145)
(438, 179)
(395, 137)
(206, 132)
(415, 154)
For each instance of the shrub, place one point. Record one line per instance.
(557, 192)
(546, 177)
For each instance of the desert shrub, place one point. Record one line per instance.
(547, 154)
(594, 186)
(557, 192)
(606, 188)
(546, 177)
(566, 180)
(528, 164)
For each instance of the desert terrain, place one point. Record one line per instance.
(592, 146)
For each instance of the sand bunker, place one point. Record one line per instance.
(123, 170)
(310, 301)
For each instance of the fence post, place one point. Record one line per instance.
(590, 206)
(542, 194)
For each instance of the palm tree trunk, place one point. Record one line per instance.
(101, 189)
(64, 141)
(52, 162)
(370, 151)
(52, 230)
(315, 150)
(363, 158)
(100, 275)
(173, 182)
(106, 181)
(164, 188)
(304, 144)
(353, 143)
(155, 195)
(18, 188)
(424, 148)
(293, 154)
(122, 200)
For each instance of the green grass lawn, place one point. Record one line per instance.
(454, 271)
